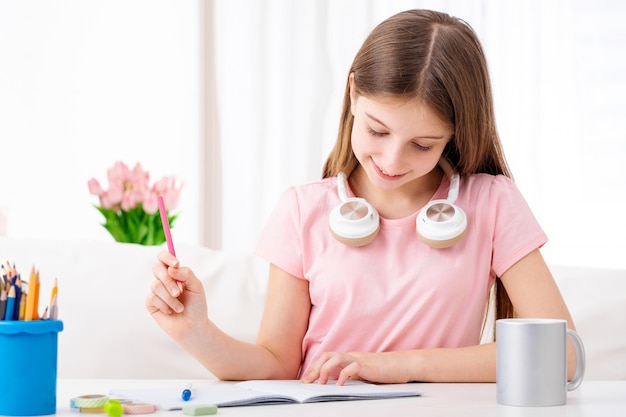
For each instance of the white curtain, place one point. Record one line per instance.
(558, 72)
(85, 83)
(241, 98)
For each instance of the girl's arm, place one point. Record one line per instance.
(277, 352)
(534, 294)
(532, 291)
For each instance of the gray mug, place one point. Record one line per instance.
(531, 362)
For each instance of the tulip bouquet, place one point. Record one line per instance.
(129, 205)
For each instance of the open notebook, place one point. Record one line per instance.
(260, 393)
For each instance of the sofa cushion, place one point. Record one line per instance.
(596, 299)
(109, 334)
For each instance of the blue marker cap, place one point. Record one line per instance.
(186, 394)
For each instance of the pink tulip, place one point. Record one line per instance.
(115, 194)
(138, 176)
(128, 188)
(118, 173)
(107, 202)
(150, 204)
(162, 185)
(94, 187)
(167, 188)
(128, 202)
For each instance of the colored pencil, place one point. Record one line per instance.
(10, 307)
(3, 302)
(28, 313)
(54, 308)
(22, 306)
(18, 295)
(35, 312)
(167, 231)
(166, 226)
(19, 300)
(55, 290)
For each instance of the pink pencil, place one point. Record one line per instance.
(166, 230)
(166, 226)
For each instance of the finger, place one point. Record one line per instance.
(167, 276)
(332, 363)
(313, 371)
(185, 276)
(348, 372)
(309, 376)
(155, 305)
(159, 292)
(175, 284)
(168, 259)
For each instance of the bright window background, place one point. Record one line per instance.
(84, 83)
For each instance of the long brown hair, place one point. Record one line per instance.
(438, 59)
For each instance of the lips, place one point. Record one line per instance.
(385, 175)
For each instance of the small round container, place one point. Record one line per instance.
(29, 367)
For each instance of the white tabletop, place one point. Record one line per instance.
(592, 399)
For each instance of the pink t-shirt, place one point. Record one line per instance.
(397, 293)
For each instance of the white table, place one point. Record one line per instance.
(592, 399)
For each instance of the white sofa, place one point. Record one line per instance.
(109, 334)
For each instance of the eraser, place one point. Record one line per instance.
(199, 410)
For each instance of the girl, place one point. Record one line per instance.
(417, 126)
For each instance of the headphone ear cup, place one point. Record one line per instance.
(354, 222)
(441, 224)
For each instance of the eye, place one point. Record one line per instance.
(421, 147)
(375, 133)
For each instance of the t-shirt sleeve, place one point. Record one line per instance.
(281, 239)
(517, 232)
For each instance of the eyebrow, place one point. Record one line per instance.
(369, 116)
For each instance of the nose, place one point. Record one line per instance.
(392, 158)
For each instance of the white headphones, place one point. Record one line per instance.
(440, 223)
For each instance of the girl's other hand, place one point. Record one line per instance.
(344, 366)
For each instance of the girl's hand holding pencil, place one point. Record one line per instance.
(177, 312)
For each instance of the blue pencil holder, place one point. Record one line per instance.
(28, 367)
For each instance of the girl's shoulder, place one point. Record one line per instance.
(483, 183)
(310, 197)
(317, 185)
(489, 191)
(314, 190)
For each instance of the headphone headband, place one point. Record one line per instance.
(453, 192)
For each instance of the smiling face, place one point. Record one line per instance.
(397, 142)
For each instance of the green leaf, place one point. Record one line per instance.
(135, 225)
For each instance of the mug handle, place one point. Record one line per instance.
(580, 360)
